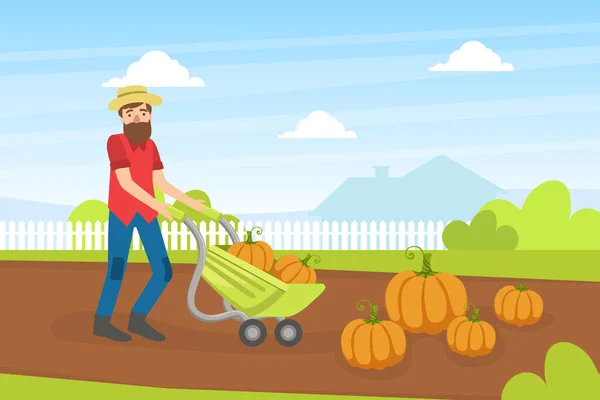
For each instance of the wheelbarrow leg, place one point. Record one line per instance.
(227, 307)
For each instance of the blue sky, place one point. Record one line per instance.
(267, 65)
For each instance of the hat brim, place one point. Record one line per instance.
(148, 98)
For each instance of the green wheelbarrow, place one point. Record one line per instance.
(249, 294)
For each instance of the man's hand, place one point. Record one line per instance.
(163, 210)
(196, 204)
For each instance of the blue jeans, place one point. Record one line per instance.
(119, 242)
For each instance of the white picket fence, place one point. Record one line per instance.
(280, 235)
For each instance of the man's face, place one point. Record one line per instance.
(136, 123)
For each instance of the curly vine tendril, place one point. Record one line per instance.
(412, 254)
(249, 238)
(373, 317)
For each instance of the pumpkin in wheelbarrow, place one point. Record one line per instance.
(425, 301)
(257, 253)
(291, 269)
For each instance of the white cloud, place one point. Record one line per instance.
(319, 125)
(471, 57)
(156, 69)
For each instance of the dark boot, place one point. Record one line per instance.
(103, 328)
(138, 324)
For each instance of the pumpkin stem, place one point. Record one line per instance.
(475, 316)
(426, 270)
(249, 239)
(521, 287)
(373, 318)
(308, 257)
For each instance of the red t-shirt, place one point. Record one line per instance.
(141, 160)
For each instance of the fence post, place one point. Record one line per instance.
(3, 235)
(383, 233)
(373, 236)
(287, 235)
(354, 236)
(345, 235)
(30, 236)
(50, 235)
(184, 234)
(78, 236)
(69, 236)
(12, 235)
(335, 235)
(421, 235)
(60, 235)
(294, 238)
(411, 234)
(22, 235)
(402, 235)
(174, 235)
(325, 235)
(392, 236)
(430, 235)
(88, 235)
(278, 233)
(316, 235)
(97, 235)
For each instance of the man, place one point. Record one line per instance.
(135, 168)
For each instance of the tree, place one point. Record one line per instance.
(90, 210)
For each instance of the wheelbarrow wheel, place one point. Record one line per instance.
(288, 332)
(253, 332)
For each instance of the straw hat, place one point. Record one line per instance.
(134, 94)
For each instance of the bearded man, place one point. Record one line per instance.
(135, 169)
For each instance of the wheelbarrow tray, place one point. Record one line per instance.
(253, 291)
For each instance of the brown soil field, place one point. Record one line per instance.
(47, 314)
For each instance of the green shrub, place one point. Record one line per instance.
(545, 221)
(481, 234)
(570, 374)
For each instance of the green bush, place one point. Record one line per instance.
(481, 234)
(570, 374)
(545, 221)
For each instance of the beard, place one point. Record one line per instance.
(138, 132)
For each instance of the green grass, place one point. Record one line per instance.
(554, 265)
(28, 387)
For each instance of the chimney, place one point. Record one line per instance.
(381, 172)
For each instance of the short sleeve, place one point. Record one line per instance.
(116, 153)
(157, 162)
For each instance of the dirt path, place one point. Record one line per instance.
(47, 313)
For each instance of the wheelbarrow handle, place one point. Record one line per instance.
(208, 212)
(176, 213)
(211, 214)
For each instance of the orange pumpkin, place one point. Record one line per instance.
(372, 343)
(257, 253)
(470, 336)
(291, 269)
(518, 306)
(425, 301)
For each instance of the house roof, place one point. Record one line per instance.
(438, 178)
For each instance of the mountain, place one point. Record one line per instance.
(12, 209)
